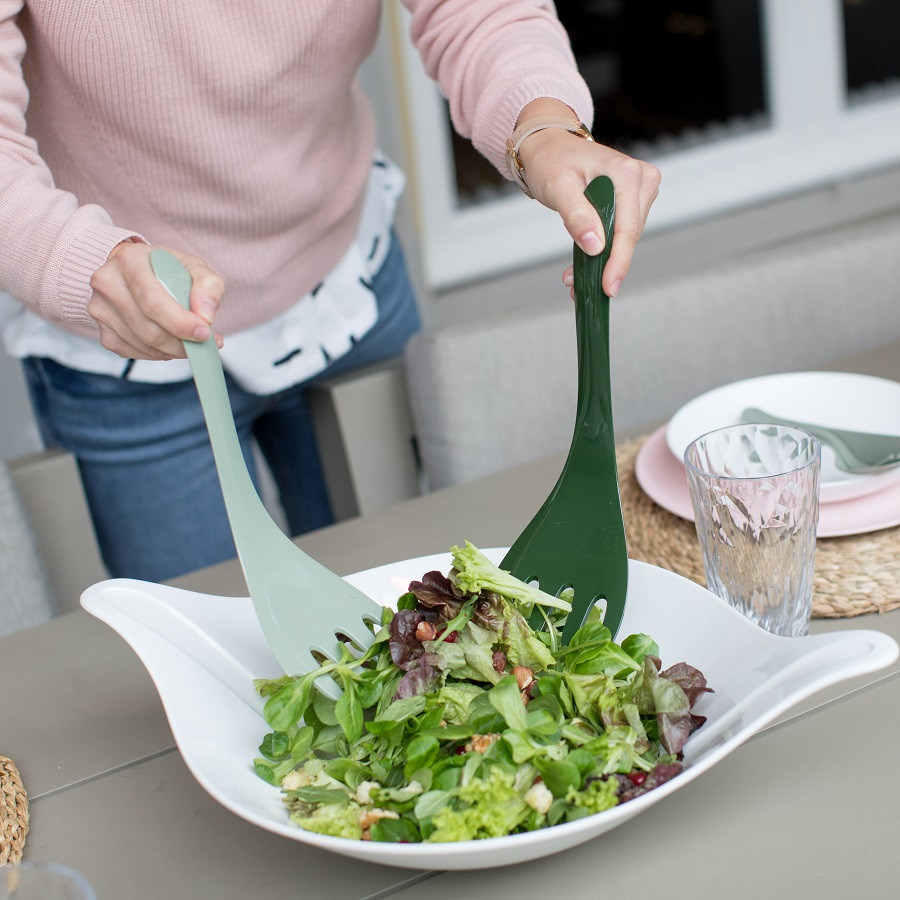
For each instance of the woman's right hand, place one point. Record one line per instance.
(137, 317)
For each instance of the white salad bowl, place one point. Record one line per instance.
(203, 652)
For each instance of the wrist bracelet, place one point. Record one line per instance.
(528, 128)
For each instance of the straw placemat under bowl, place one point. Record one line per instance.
(13, 813)
(853, 575)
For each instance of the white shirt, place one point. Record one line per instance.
(271, 356)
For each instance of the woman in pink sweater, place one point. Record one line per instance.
(236, 135)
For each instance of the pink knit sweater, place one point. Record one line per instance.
(229, 129)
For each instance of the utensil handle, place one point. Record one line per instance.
(845, 457)
(593, 442)
(752, 415)
(206, 364)
(594, 405)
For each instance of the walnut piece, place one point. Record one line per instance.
(369, 817)
(425, 631)
(480, 742)
(524, 676)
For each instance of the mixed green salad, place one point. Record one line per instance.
(461, 722)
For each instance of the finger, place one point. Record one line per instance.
(583, 223)
(579, 217)
(133, 336)
(568, 279)
(113, 309)
(207, 289)
(624, 242)
(112, 339)
(636, 189)
(159, 323)
(649, 191)
(158, 318)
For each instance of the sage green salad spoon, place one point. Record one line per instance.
(303, 608)
(856, 452)
(577, 538)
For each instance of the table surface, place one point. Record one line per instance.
(798, 811)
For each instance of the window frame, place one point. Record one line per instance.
(815, 137)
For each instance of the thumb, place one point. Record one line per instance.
(579, 217)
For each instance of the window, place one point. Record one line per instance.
(871, 29)
(737, 101)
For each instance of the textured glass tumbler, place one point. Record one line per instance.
(43, 881)
(755, 493)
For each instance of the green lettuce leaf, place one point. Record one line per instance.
(486, 807)
(473, 573)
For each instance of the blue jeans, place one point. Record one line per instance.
(145, 458)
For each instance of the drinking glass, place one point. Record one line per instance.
(43, 881)
(755, 493)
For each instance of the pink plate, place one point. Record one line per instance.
(662, 478)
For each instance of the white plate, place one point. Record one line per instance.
(203, 651)
(837, 399)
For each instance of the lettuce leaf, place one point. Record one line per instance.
(473, 573)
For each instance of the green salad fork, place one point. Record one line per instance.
(577, 538)
(303, 608)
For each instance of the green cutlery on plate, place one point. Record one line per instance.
(855, 452)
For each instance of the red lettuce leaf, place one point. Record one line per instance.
(692, 681)
(421, 675)
(435, 592)
(659, 774)
(403, 643)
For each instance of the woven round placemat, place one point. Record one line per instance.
(853, 575)
(13, 813)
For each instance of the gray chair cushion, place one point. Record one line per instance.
(497, 392)
(25, 597)
(492, 394)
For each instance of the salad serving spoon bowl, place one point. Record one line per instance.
(577, 537)
(305, 610)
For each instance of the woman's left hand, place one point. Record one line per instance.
(559, 166)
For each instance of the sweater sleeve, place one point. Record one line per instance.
(493, 57)
(51, 244)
